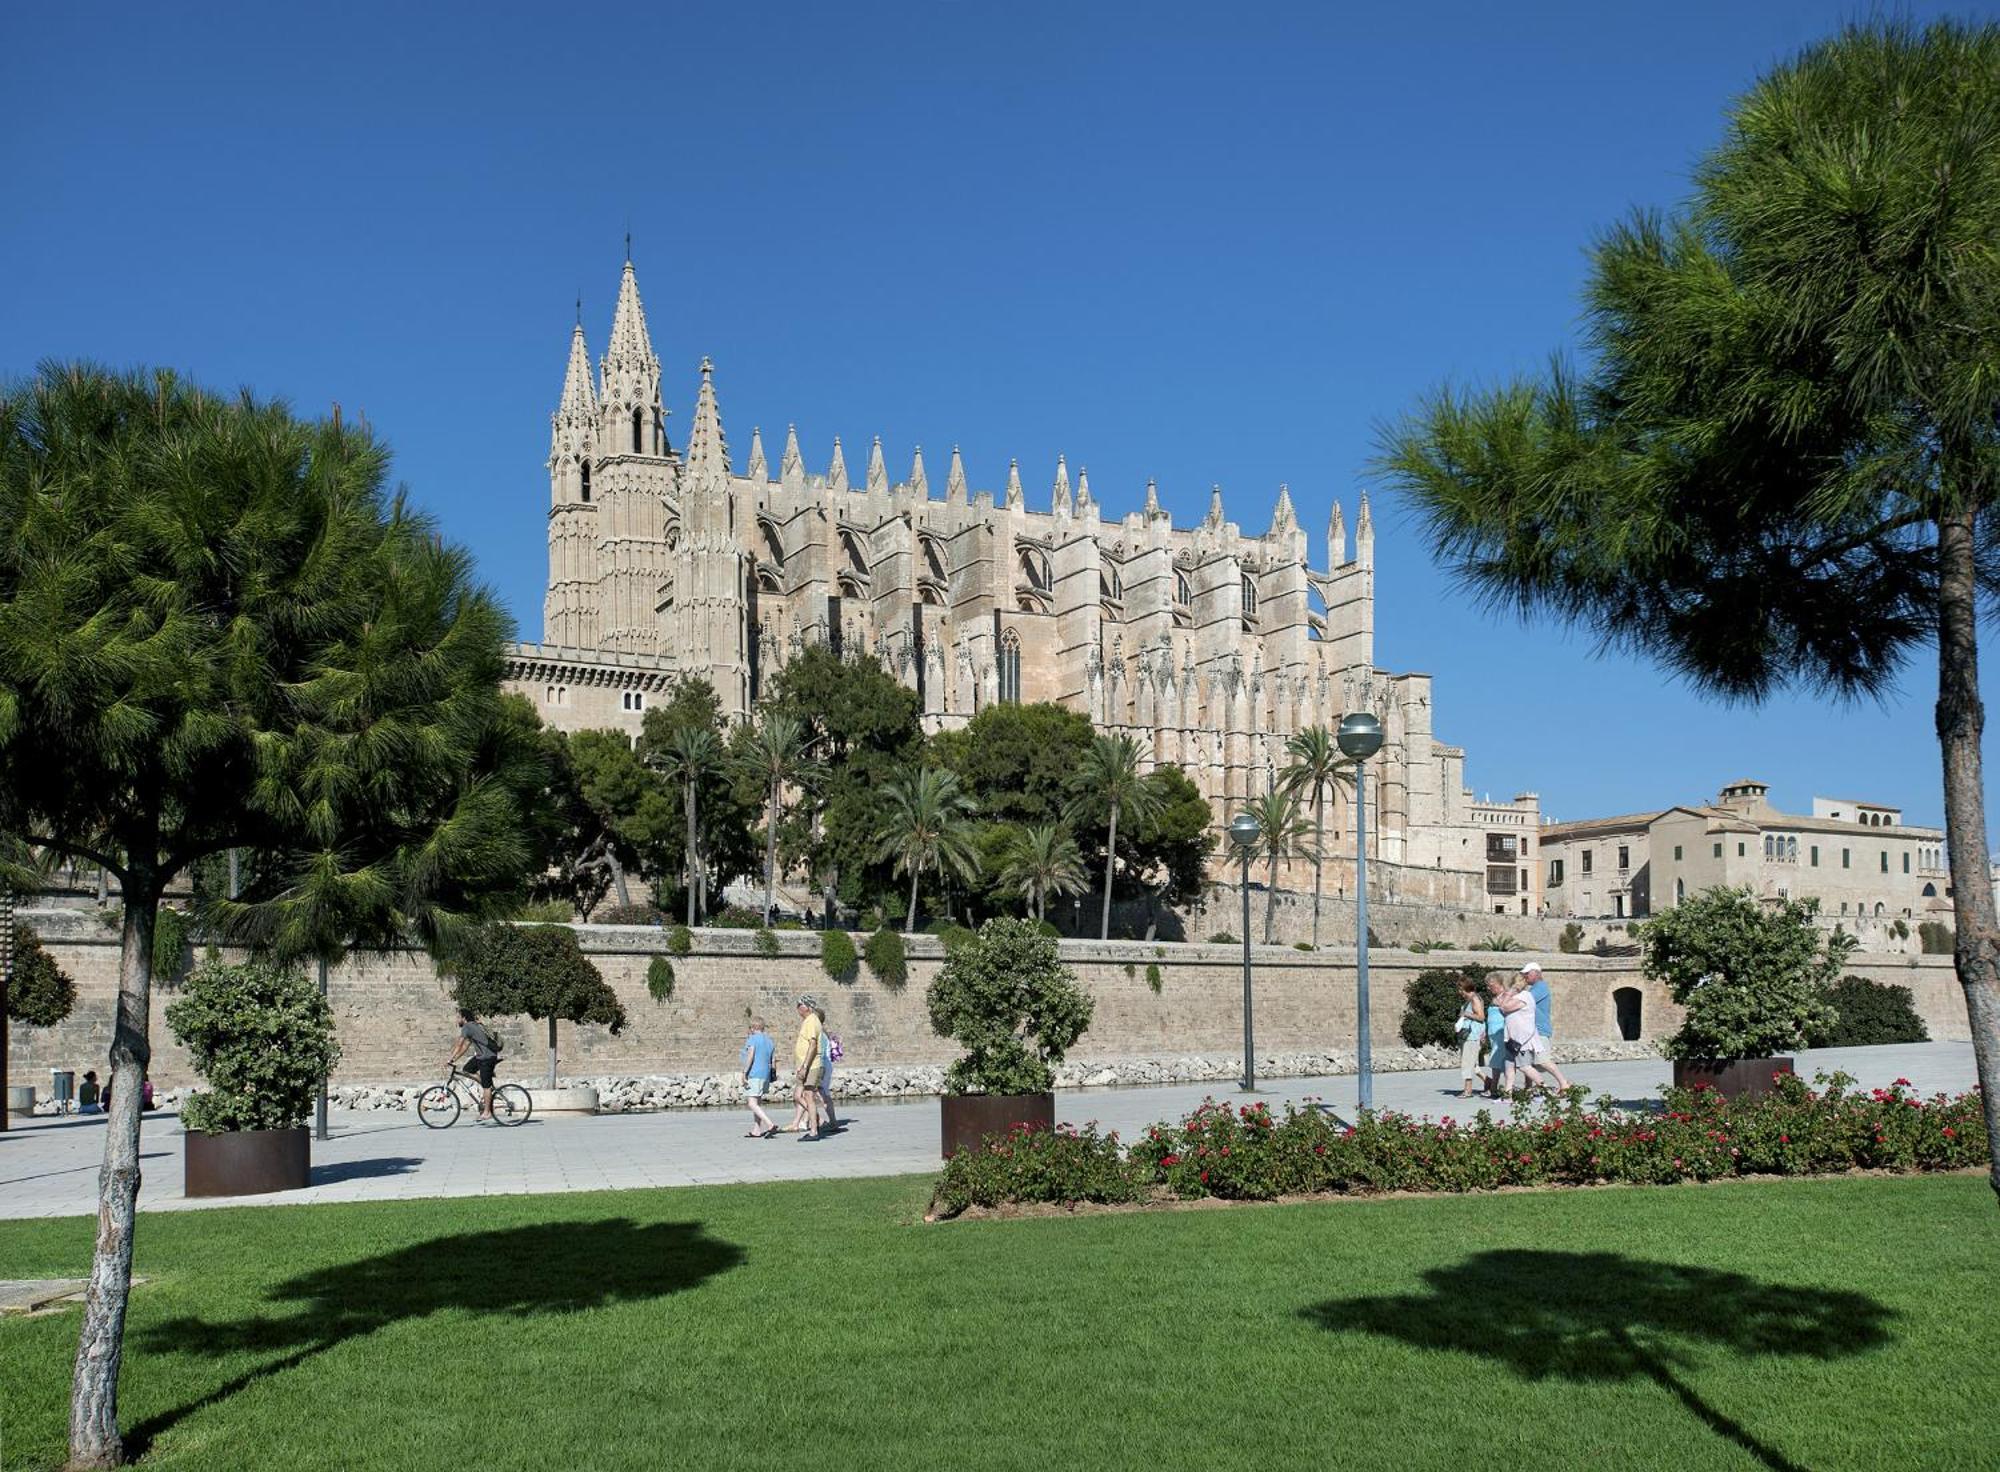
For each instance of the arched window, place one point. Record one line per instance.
(1930, 891)
(1792, 849)
(1010, 668)
(638, 424)
(1680, 891)
(1249, 595)
(1878, 909)
(1182, 593)
(855, 561)
(586, 482)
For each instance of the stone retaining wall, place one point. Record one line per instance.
(396, 1024)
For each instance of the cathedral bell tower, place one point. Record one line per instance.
(631, 482)
(708, 624)
(569, 611)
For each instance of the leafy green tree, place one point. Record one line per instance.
(1283, 834)
(1318, 768)
(1781, 465)
(217, 631)
(688, 757)
(537, 971)
(865, 732)
(1009, 1001)
(1752, 975)
(1042, 861)
(1168, 851)
(926, 826)
(262, 1036)
(774, 754)
(40, 993)
(1112, 780)
(1016, 763)
(725, 806)
(625, 817)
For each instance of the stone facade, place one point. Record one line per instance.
(395, 1022)
(1209, 644)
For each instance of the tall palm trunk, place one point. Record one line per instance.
(688, 807)
(771, 855)
(1319, 853)
(1961, 719)
(1271, 902)
(916, 874)
(100, 1347)
(1110, 858)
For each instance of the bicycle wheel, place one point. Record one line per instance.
(511, 1105)
(438, 1106)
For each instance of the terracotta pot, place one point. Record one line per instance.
(248, 1162)
(970, 1118)
(1733, 1078)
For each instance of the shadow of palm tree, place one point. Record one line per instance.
(365, 1170)
(546, 1268)
(1605, 1317)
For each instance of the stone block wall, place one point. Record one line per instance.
(396, 1022)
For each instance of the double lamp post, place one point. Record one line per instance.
(1359, 737)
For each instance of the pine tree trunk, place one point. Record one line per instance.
(100, 1348)
(771, 856)
(1319, 854)
(617, 876)
(1110, 858)
(1961, 719)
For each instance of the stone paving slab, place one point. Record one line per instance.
(49, 1166)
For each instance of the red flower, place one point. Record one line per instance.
(1225, 1149)
(1321, 1149)
(1950, 1133)
(1784, 1139)
(1902, 1083)
(1204, 1177)
(1170, 1160)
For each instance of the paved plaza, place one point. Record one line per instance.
(48, 1166)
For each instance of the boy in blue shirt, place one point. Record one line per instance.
(757, 1070)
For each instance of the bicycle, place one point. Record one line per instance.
(440, 1105)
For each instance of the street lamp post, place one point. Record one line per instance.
(1360, 737)
(1244, 833)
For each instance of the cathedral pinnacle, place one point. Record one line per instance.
(1083, 501)
(792, 468)
(1015, 495)
(758, 468)
(707, 448)
(836, 472)
(1215, 506)
(878, 473)
(919, 482)
(1152, 498)
(1336, 539)
(579, 400)
(1283, 518)
(954, 482)
(1059, 498)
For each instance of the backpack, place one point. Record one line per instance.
(833, 1049)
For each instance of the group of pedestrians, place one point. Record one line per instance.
(814, 1052)
(1510, 1019)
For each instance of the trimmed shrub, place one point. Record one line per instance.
(1430, 1006)
(535, 970)
(837, 956)
(887, 958)
(1751, 975)
(1048, 928)
(660, 978)
(263, 1039)
(736, 917)
(41, 993)
(1571, 939)
(680, 941)
(1868, 1014)
(766, 941)
(1222, 938)
(628, 915)
(1009, 1001)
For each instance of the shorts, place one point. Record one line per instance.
(753, 1088)
(482, 1069)
(811, 1080)
(1535, 1050)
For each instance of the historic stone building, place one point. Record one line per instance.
(1211, 645)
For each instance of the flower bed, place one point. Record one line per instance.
(1246, 1153)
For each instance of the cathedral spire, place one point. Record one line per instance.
(878, 473)
(1336, 539)
(707, 448)
(1152, 498)
(758, 469)
(1015, 495)
(1059, 497)
(954, 482)
(1283, 518)
(628, 390)
(919, 482)
(792, 468)
(579, 398)
(1364, 535)
(836, 472)
(573, 426)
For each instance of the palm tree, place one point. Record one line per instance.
(690, 755)
(927, 827)
(775, 753)
(1285, 835)
(1114, 775)
(1318, 767)
(1042, 862)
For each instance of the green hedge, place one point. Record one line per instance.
(660, 978)
(1869, 1014)
(887, 958)
(837, 956)
(1430, 1006)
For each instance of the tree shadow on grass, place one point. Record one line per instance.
(1604, 1317)
(516, 1272)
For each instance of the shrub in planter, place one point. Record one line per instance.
(660, 979)
(887, 958)
(837, 956)
(1867, 1014)
(537, 970)
(1752, 975)
(680, 941)
(1431, 1003)
(41, 993)
(263, 1039)
(1008, 1000)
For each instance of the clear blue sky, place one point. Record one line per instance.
(1215, 244)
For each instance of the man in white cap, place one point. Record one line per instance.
(1538, 991)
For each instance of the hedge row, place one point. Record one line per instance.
(1247, 1153)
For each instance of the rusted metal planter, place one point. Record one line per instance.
(248, 1162)
(970, 1118)
(1733, 1078)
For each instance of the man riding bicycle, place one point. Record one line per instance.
(476, 1039)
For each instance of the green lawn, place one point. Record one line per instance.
(1821, 1324)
